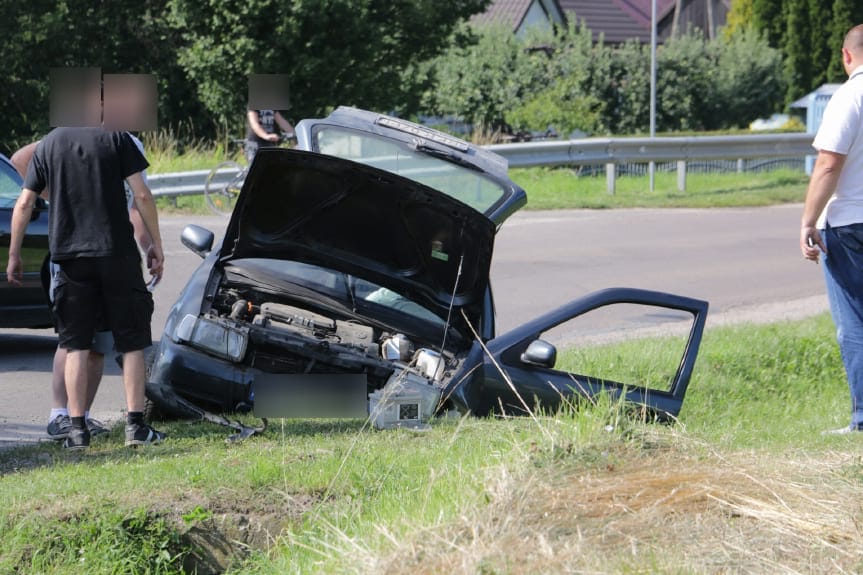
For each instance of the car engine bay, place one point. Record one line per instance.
(404, 378)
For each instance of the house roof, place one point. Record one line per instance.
(510, 13)
(622, 20)
(617, 20)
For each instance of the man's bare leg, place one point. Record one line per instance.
(58, 380)
(95, 366)
(77, 381)
(76, 388)
(133, 380)
(59, 397)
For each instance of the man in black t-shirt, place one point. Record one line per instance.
(90, 238)
(261, 133)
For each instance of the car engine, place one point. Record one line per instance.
(404, 382)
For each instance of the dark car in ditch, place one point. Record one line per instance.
(353, 280)
(24, 306)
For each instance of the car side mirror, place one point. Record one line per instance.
(197, 239)
(540, 353)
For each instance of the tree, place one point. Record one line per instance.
(570, 94)
(845, 15)
(768, 16)
(335, 51)
(797, 48)
(43, 34)
(740, 15)
(481, 81)
(820, 21)
(748, 82)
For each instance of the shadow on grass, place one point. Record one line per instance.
(101, 451)
(183, 437)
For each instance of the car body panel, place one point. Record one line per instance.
(23, 306)
(363, 188)
(535, 385)
(354, 218)
(489, 190)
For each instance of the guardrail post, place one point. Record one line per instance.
(739, 165)
(610, 177)
(681, 175)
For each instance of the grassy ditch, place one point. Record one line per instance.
(560, 188)
(744, 482)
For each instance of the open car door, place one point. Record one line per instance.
(521, 369)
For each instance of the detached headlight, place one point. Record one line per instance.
(228, 342)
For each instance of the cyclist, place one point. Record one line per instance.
(262, 130)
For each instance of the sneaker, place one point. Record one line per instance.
(77, 439)
(59, 427)
(142, 434)
(96, 427)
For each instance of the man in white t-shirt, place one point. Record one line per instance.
(832, 221)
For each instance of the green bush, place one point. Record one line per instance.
(564, 80)
(484, 76)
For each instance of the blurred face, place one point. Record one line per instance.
(76, 97)
(129, 102)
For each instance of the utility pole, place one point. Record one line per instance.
(711, 29)
(652, 165)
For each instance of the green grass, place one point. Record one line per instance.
(552, 189)
(746, 462)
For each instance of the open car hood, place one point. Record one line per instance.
(370, 223)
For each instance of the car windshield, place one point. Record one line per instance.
(351, 291)
(468, 185)
(10, 186)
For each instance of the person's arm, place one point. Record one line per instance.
(20, 218)
(822, 185)
(142, 236)
(258, 129)
(21, 160)
(145, 207)
(284, 124)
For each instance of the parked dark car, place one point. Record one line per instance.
(26, 306)
(358, 267)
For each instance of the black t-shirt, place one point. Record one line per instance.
(267, 118)
(84, 170)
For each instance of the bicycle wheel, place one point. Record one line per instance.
(223, 187)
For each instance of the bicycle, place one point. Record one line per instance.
(225, 181)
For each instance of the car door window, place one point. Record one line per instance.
(632, 344)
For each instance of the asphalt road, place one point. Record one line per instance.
(745, 262)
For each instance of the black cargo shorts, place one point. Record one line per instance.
(103, 292)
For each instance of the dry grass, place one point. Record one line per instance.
(673, 510)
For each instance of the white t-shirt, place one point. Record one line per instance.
(840, 132)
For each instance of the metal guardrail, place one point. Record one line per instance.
(597, 151)
(177, 184)
(609, 152)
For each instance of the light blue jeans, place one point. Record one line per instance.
(843, 273)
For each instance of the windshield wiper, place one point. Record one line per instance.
(445, 155)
